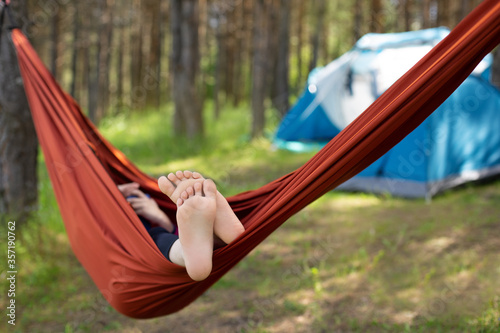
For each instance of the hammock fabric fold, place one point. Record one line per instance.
(109, 239)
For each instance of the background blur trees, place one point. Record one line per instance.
(122, 56)
(119, 56)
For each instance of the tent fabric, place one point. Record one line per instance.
(108, 238)
(459, 142)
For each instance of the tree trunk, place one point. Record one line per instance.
(188, 118)
(85, 77)
(55, 42)
(495, 70)
(300, 42)
(272, 44)
(282, 79)
(239, 80)
(358, 16)
(136, 69)
(151, 80)
(220, 73)
(122, 24)
(119, 100)
(93, 62)
(323, 56)
(230, 54)
(443, 18)
(259, 68)
(175, 64)
(377, 19)
(320, 17)
(75, 49)
(105, 41)
(163, 71)
(407, 15)
(426, 14)
(18, 141)
(217, 69)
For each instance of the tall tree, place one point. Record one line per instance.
(230, 50)
(18, 141)
(84, 78)
(163, 82)
(76, 47)
(136, 53)
(357, 21)
(281, 81)
(377, 17)
(120, 24)
(55, 36)
(495, 70)
(443, 14)
(104, 56)
(218, 23)
(93, 51)
(239, 80)
(319, 19)
(426, 14)
(407, 11)
(151, 80)
(188, 118)
(299, 22)
(259, 66)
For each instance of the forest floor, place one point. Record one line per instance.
(346, 263)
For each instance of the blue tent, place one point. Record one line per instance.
(459, 142)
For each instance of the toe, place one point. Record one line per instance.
(166, 186)
(198, 188)
(197, 175)
(188, 174)
(174, 179)
(209, 188)
(180, 175)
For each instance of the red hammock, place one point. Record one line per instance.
(108, 237)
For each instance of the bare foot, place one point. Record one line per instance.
(227, 226)
(195, 220)
(174, 184)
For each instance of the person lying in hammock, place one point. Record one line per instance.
(203, 217)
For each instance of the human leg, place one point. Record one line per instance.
(165, 240)
(195, 219)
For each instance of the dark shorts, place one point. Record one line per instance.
(162, 238)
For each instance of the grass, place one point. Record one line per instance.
(346, 263)
(225, 154)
